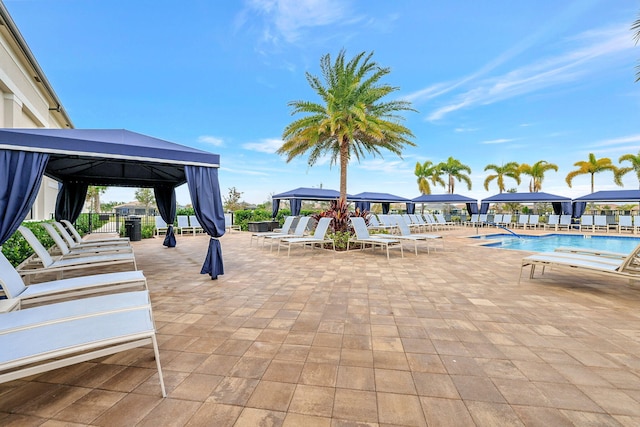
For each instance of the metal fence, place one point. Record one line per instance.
(113, 222)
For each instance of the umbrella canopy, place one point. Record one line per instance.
(115, 157)
(525, 198)
(611, 196)
(443, 198)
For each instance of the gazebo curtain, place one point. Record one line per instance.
(20, 177)
(70, 201)
(296, 206)
(386, 207)
(275, 208)
(578, 209)
(484, 208)
(166, 201)
(363, 206)
(472, 208)
(207, 203)
(411, 208)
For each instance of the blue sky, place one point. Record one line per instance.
(493, 82)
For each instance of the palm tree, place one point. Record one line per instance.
(634, 159)
(507, 170)
(428, 172)
(636, 37)
(592, 167)
(351, 120)
(454, 170)
(536, 171)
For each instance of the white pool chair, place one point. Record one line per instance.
(363, 238)
(286, 228)
(318, 238)
(78, 238)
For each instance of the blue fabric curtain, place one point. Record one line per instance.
(578, 209)
(275, 207)
(296, 206)
(166, 201)
(385, 208)
(567, 209)
(472, 208)
(484, 208)
(557, 208)
(70, 201)
(207, 203)
(363, 206)
(411, 208)
(20, 177)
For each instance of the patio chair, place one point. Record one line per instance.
(534, 221)
(286, 227)
(497, 219)
(564, 222)
(68, 252)
(552, 222)
(628, 267)
(374, 224)
(193, 222)
(473, 221)
(73, 244)
(363, 238)
(161, 226)
(600, 223)
(41, 339)
(183, 225)
(386, 222)
(78, 238)
(523, 221)
(228, 223)
(300, 231)
(586, 223)
(440, 219)
(60, 265)
(625, 223)
(14, 287)
(407, 235)
(318, 238)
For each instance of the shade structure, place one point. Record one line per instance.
(297, 195)
(117, 157)
(443, 198)
(363, 200)
(611, 196)
(561, 204)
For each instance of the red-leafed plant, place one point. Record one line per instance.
(340, 228)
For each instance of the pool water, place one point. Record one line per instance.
(549, 242)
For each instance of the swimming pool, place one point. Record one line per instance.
(548, 242)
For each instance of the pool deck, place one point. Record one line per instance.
(352, 339)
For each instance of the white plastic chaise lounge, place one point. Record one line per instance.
(407, 235)
(78, 238)
(318, 238)
(443, 222)
(61, 264)
(73, 244)
(41, 339)
(625, 222)
(552, 222)
(523, 221)
(286, 228)
(14, 287)
(193, 221)
(600, 223)
(564, 222)
(363, 238)
(161, 226)
(586, 223)
(628, 267)
(299, 231)
(534, 221)
(183, 225)
(67, 251)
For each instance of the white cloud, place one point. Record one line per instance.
(460, 130)
(211, 140)
(269, 145)
(616, 141)
(244, 171)
(498, 141)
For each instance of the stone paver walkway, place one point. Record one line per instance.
(350, 339)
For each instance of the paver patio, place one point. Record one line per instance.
(346, 339)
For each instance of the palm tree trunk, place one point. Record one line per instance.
(344, 161)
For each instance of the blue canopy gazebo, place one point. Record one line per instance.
(471, 204)
(363, 201)
(296, 196)
(78, 158)
(580, 203)
(560, 204)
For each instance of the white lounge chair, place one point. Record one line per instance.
(14, 287)
(286, 228)
(318, 238)
(552, 222)
(161, 226)
(60, 265)
(73, 244)
(600, 223)
(363, 238)
(440, 219)
(586, 223)
(523, 221)
(41, 339)
(228, 223)
(193, 222)
(68, 252)
(628, 267)
(497, 219)
(625, 223)
(78, 238)
(300, 231)
(407, 235)
(534, 221)
(183, 225)
(564, 222)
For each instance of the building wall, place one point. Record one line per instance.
(26, 102)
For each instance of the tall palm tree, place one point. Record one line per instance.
(536, 171)
(428, 172)
(509, 170)
(351, 120)
(634, 159)
(592, 167)
(454, 169)
(636, 37)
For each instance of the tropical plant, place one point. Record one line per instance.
(454, 170)
(536, 171)
(509, 170)
(351, 120)
(634, 159)
(636, 37)
(428, 172)
(592, 167)
(146, 197)
(93, 196)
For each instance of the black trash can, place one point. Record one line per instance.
(133, 228)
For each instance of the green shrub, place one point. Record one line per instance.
(340, 239)
(16, 249)
(148, 231)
